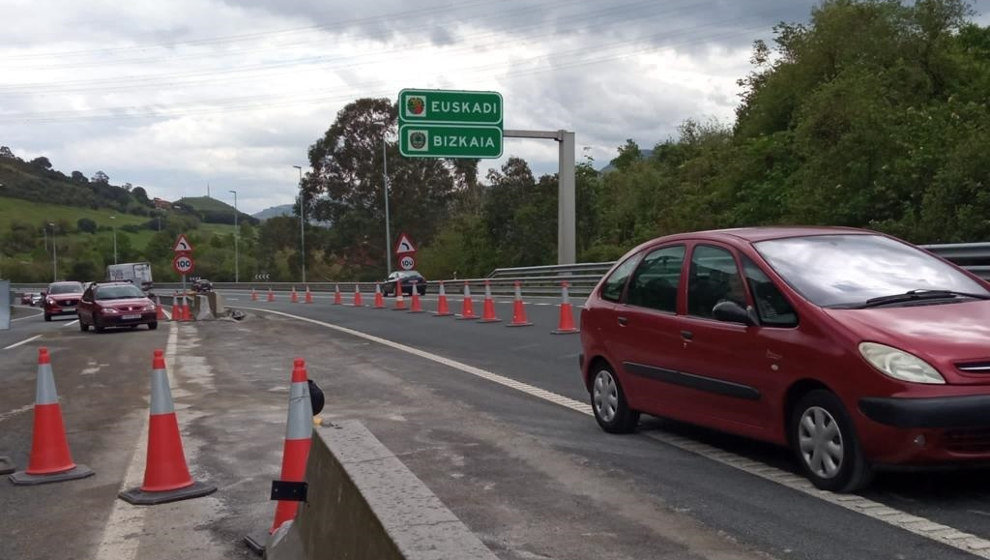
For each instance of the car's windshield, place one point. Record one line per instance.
(118, 292)
(848, 270)
(65, 288)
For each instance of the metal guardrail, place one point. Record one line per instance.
(545, 280)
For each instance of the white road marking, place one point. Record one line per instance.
(122, 531)
(38, 314)
(919, 526)
(25, 341)
(70, 323)
(11, 413)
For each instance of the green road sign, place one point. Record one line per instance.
(450, 141)
(450, 107)
(450, 124)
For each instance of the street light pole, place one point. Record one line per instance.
(54, 255)
(302, 224)
(237, 233)
(114, 218)
(388, 234)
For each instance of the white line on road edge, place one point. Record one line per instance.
(25, 341)
(70, 323)
(38, 314)
(920, 526)
(122, 532)
(11, 413)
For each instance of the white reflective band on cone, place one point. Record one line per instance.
(45, 389)
(161, 395)
(300, 425)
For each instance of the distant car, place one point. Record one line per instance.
(202, 286)
(857, 350)
(61, 298)
(26, 298)
(405, 278)
(36, 299)
(115, 304)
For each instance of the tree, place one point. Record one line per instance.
(41, 162)
(78, 177)
(140, 195)
(100, 177)
(5, 152)
(86, 225)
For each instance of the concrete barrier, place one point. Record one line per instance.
(363, 503)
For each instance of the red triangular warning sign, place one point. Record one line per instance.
(182, 244)
(405, 245)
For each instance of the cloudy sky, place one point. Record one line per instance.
(181, 94)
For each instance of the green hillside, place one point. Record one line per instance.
(206, 204)
(37, 214)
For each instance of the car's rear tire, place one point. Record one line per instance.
(152, 326)
(825, 443)
(608, 401)
(48, 317)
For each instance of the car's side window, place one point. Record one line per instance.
(771, 305)
(655, 283)
(612, 289)
(713, 278)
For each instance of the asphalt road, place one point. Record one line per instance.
(490, 418)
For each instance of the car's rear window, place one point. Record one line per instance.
(847, 270)
(117, 292)
(65, 288)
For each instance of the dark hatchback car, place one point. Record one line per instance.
(857, 350)
(407, 279)
(115, 304)
(61, 298)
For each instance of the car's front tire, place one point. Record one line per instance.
(83, 326)
(608, 402)
(152, 326)
(48, 317)
(97, 326)
(825, 443)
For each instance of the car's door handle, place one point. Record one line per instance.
(623, 321)
(687, 335)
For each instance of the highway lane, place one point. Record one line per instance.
(531, 355)
(28, 322)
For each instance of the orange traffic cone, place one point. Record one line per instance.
(488, 306)
(271, 294)
(357, 295)
(467, 306)
(400, 299)
(379, 300)
(176, 310)
(186, 312)
(566, 323)
(519, 311)
(298, 438)
(336, 295)
(309, 296)
(417, 307)
(443, 308)
(50, 459)
(166, 476)
(254, 295)
(159, 310)
(294, 298)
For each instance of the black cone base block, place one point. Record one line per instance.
(257, 542)
(520, 325)
(565, 332)
(6, 465)
(22, 478)
(139, 497)
(466, 317)
(489, 320)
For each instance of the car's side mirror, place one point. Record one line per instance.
(732, 312)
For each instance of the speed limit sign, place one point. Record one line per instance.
(183, 264)
(407, 262)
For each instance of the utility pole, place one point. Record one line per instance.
(388, 234)
(54, 255)
(237, 233)
(302, 224)
(114, 218)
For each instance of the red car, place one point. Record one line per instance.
(857, 350)
(61, 298)
(116, 304)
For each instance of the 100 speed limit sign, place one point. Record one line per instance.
(407, 262)
(183, 264)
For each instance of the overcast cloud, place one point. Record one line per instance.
(180, 94)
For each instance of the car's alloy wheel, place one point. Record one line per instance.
(825, 443)
(609, 403)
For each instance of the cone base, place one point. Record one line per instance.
(6, 465)
(400, 309)
(569, 331)
(139, 497)
(466, 317)
(527, 324)
(491, 320)
(22, 478)
(438, 314)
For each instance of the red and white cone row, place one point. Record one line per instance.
(443, 308)
(467, 306)
(566, 323)
(519, 310)
(50, 459)
(488, 306)
(166, 475)
(379, 298)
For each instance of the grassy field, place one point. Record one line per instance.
(37, 214)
